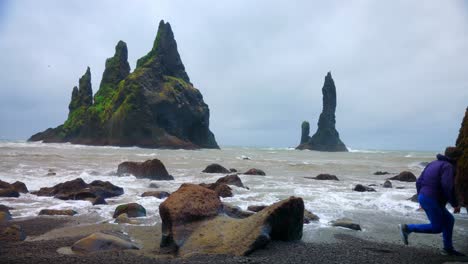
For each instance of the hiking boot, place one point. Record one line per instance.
(404, 233)
(451, 252)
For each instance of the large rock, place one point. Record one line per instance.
(326, 138)
(462, 164)
(232, 179)
(20, 187)
(222, 190)
(215, 168)
(151, 169)
(324, 177)
(68, 212)
(77, 189)
(194, 222)
(99, 242)
(405, 176)
(155, 106)
(131, 209)
(255, 172)
(13, 189)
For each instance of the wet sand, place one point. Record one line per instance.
(48, 234)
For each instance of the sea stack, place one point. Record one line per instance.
(326, 138)
(462, 164)
(155, 106)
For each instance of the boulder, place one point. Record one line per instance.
(100, 241)
(346, 223)
(362, 188)
(232, 179)
(381, 173)
(77, 189)
(255, 172)
(20, 187)
(215, 168)
(310, 217)
(157, 194)
(57, 212)
(235, 211)
(405, 176)
(222, 190)
(194, 221)
(151, 169)
(5, 216)
(387, 184)
(13, 233)
(324, 177)
(256, 208)
(131, 209)
(327, 137)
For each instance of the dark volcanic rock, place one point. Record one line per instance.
(462, 164)
(255, 172)
(387, 184)
(405, 176)
(324, 177)
(151, 169)
(155, 106)
(12, 190)
(310, 217)
(20, 187)
(362, 188)
(193, 222)
(157, 194)
(215, 168)
(326, 138)
(381, 173)
(77, 189)
(232, 179)
(131, 209)
(57, 212)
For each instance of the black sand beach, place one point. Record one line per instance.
(46, 235)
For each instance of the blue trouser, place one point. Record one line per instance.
(441, 220)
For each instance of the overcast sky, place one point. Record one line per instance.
(400, 67)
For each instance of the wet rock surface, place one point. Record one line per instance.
(215, 168)
(151, 169)
(405, 176)
(324, 177)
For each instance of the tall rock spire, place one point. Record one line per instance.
(326, 138)
(83, 94)
(164, 55)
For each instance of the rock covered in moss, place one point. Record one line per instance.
(151, 169)
(462, 164)
(154, 106)
(326, 138)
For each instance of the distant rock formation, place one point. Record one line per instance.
(462, 164)
(326, 138)
(155, 106)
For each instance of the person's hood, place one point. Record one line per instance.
(445, 158)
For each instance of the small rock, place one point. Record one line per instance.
(221, 189)
(157, 194)
(399, 187)
(124, 219)
(153, 185)
(405, 176)
(309, 217)
(99, 241)
(381, 173)
(235, 211)
(324, 177)
(414, 198)
(362, 188)
(97, 201)
(387, 184)
(131, 209)
(256, 208)
(51, 174)
(372, 185)
(215, 168)
(57, 212)
(346, 223)
(13, 233)
(255, 172)
(232, 170)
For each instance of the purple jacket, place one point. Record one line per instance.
(437, 181)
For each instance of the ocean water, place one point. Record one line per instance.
(285, 169)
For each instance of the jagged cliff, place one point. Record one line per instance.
(462, 164)
(154, 106)
(326, 138)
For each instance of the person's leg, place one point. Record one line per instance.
(447, 229)
(434, 213)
